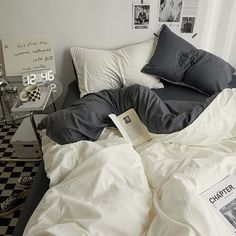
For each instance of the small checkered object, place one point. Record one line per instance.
(34, 95)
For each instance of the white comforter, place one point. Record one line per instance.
(108, 188)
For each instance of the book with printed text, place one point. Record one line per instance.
(222, 196)
(131, 127)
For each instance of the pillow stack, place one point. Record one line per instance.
(177, 61)
(109, 69)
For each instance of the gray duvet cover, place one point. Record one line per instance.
(87, 117)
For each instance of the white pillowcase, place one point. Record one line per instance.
(133, 59)
(98, 69)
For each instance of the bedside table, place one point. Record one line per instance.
(37, 106)
(8, 100)
(29, 115)
(48, 97)
(24, 141)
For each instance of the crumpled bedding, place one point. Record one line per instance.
(109, 188)
(87, 117)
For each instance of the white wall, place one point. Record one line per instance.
(97, 24)
(85, 23)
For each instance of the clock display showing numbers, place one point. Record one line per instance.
(45, 77)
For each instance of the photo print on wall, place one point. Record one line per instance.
(141, 14)
(170, 10)
(187, 24)
(179, 15)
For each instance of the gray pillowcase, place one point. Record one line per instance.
(168, 60)
(179, 62)
(208, 73)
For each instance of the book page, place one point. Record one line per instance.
(131, 127)
(120, 127)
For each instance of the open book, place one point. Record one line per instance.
(131, 127)
(222, 196)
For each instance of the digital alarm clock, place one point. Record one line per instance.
(37, 78)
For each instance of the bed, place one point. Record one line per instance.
(151, 190)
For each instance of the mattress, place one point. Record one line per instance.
(41, 182)
(169, 92)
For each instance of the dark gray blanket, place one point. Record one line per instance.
(87, 117)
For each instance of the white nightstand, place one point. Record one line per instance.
(24, 141)
(23, 137)
(35, 107)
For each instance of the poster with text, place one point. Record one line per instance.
(141, 15)
(30, 54)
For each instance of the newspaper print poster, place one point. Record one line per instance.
(141, 15)
(190, 10)
(178, 15)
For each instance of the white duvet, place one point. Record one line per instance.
(107, 188)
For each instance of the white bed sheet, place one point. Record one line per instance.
(109, 188)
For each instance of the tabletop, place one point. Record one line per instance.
(9, 100)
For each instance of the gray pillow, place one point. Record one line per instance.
(168, 60)
(179, 62)
(208, 73)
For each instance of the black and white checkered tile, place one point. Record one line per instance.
(6, 133)
(9, 172)
(6, 149)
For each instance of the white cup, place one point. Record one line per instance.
(30, 93)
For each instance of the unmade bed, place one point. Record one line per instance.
(41, 182)
(105, 186)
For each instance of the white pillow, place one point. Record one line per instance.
(98, 69)
(133, 59)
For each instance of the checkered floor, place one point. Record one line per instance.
(9, 172)
(6, 133)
